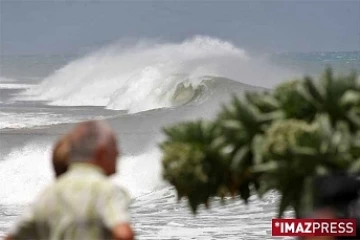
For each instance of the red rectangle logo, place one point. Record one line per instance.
(313, 227)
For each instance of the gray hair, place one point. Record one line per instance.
(86, 138)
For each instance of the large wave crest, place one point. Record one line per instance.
(148, 76)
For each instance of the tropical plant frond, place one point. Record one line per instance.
(268, 141)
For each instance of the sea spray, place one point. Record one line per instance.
(146, 76)
(24, 173)
(140, 174)
(27, 170)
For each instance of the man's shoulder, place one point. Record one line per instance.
(114, 189)
(82, 179)
(95, 182)
(111, 190)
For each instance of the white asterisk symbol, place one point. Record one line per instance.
(277, 224)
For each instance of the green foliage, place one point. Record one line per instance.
(286, 138)
(196, 161)
(338, 97)
(292, 102)
(269, 141)
(293, 151)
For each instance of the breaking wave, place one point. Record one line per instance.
(149, 76)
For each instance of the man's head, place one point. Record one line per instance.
(60, 157)
(94, 142)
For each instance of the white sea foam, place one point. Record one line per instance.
(140, 174)
(6, 80)
(18, 120)
(27, 170)
(24, 173)
(147, 76)
(22, 120)
(15, 86)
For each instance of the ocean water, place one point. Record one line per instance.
(138, 90)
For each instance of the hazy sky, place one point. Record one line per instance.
(43, 27)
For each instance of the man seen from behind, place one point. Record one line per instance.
(83, 203)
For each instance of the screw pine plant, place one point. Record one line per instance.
(337, 96)
(279, 140)
(195, 161)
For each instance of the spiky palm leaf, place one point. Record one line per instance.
(337, 96)
(294, 151)
(292, 102)
(240, 122)
(280, 140)
(195, 161)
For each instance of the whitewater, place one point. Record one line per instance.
(138, 89)
(149, 76)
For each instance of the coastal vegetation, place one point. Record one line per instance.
(281, 140)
